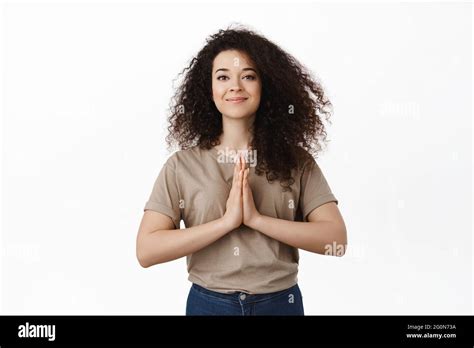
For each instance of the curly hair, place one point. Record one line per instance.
(288, 125)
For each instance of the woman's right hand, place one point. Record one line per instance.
(233, 216)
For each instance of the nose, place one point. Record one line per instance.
(236, 86)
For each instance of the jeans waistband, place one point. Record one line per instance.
(236, 296)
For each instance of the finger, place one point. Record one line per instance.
(236, 187)
(246, 175)
(237, 163)
(236, 172)
(241, 175)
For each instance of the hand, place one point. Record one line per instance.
(233, 216)
(251, 214)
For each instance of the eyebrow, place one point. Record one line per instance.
(244, 69)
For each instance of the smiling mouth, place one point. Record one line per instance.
(236, 100)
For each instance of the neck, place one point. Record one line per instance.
(237, 133)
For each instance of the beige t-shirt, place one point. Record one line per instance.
(194, 185)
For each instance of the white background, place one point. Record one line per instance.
(86, 89)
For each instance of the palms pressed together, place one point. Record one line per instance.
(240, 206)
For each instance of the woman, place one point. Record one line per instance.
(244, 109)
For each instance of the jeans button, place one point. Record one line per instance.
(242, 297)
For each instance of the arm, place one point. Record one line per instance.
(159, 242)
(166, 244)
(324, 233)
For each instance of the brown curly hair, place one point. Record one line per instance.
(280, 137)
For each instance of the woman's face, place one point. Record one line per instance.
(236, 85)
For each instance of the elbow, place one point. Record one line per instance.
(142, 260)
(338, 245)
(145, 260)
(143, 263)
(141, 257)
(342, 242)
(143, 253)
(342, 251)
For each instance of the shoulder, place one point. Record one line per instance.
(304, 159)
(189, 155)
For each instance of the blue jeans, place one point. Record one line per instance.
(202, 301)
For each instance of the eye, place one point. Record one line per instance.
(219, 77)
(251, 77)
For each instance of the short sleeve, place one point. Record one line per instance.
(164, 197)
(315, 190)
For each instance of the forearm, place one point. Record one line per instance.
(167, 245)
(317, 236)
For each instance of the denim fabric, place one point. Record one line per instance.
(202, 301)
